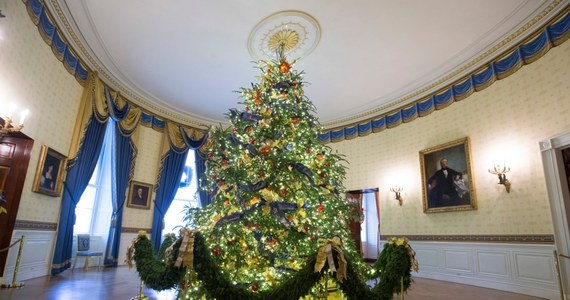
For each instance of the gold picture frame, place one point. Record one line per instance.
(447, 178)
(139, 195)
(50, 172)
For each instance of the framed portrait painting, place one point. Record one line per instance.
(139, 195)
(50, 172)
(447, 180)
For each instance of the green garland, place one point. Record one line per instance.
(393, 265)
(153, 270)
(218, 286)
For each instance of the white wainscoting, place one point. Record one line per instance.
(520, 268)
(36, 255)
(126, 239)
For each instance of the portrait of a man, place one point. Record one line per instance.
(139, 195)
(447, 177)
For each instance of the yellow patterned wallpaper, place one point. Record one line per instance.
(146, 170)
(504, 121)
(31, 76)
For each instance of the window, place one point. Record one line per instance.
(84, 209)
(94, 209)
(187, 195)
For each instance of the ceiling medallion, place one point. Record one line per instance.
(288, 38)
(298, 32)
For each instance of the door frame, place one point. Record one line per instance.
(559, 198)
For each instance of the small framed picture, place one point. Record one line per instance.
(50, 172)
(447, 180)
(139, 195)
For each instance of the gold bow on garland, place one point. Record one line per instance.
(131, 248)
(411, 253)
(326, 248)
(186, 251)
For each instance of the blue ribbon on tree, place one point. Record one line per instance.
(283, 85)
(301, 168)
(239, 215)
(247, 187)
(234, 140)
(245, 116)
(278, 209)
(251, 149)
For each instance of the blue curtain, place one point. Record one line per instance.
(170, 175)
(122, 158)
(123, 153)
(205, 198)
(78, 176)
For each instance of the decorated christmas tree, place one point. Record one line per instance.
(279, 218)
(276, 189)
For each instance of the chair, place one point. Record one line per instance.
(83, 251)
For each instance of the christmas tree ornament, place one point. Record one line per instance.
(284, 67)
(265, 150)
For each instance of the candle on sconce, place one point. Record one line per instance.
(23, 116)
(11, 109)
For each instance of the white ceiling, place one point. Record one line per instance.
(187, 56)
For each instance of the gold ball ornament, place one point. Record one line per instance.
(284, 67)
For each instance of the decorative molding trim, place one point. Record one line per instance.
(135, 230)
(513, 239)
(34, 225)
(493, 65)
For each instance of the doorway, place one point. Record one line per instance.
(15, 152)
(556, 164)
(366, 233)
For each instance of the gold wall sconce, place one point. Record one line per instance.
(6, 122)
(397, 193)
(500, 171)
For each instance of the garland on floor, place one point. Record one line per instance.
(160, 272)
